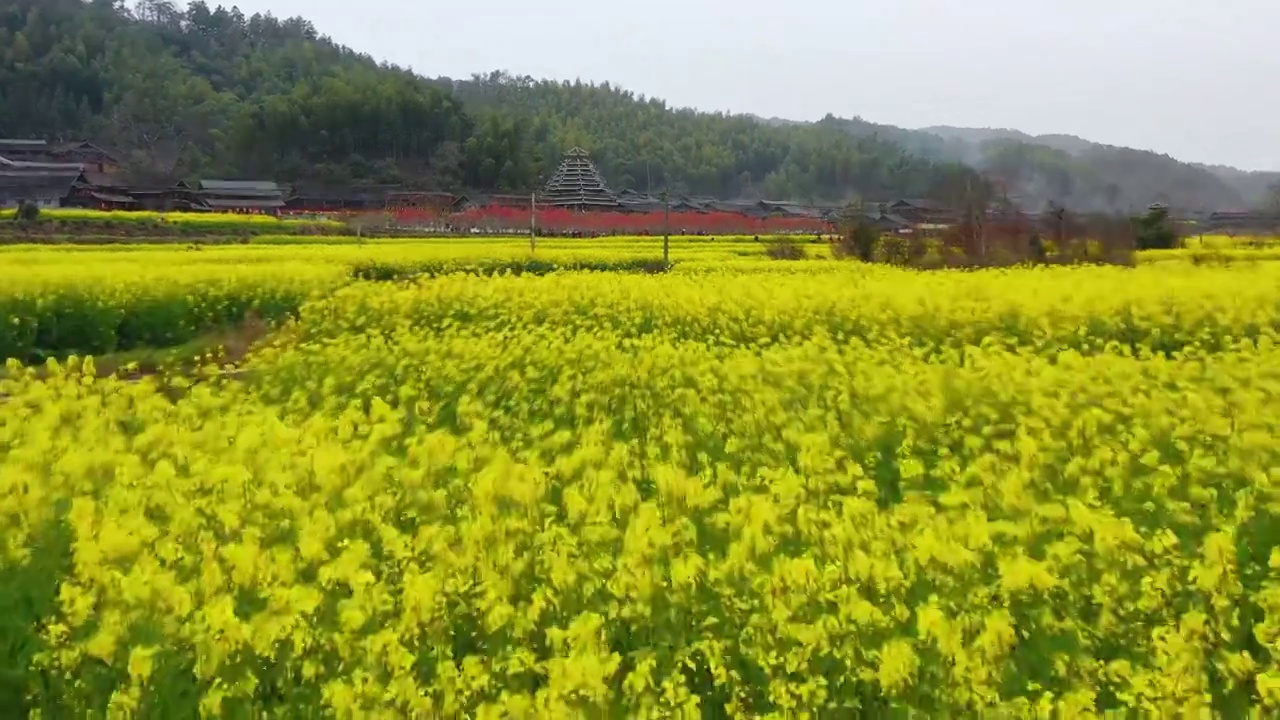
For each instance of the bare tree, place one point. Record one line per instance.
(1112, 194)
(975, 202)
(364, 222)
(151, 149)
(1271, 206)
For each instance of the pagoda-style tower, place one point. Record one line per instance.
(577, 184)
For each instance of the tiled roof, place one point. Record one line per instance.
(105, 180)
(22, 185)
(24, 144)
(243, 203)
(31, 165)
(239, 186)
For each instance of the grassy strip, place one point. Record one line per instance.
(192, 236)
(228, 344)
(60, 222)
(73, 215)
(392, 271)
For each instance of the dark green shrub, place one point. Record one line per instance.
(891, 250)
(28, 213)
(784, 249)
(1155, 231)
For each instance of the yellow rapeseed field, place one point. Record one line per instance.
(77, 216)
(741, 488)
(64, 299)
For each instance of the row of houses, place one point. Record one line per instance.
(902, 212)
(80, 174)
(85, 189)
(1241, 221)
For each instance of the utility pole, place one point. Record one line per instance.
(666, 227)
(533, 221)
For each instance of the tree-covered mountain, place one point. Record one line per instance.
(1034, 170)
(210, 91)
(643, 143)
(1261, 189)
(1078, 173)
(206, 91)
(202, 90)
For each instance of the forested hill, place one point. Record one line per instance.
(1077, 172)
(204, 91)
(182, 92)
(643, 143)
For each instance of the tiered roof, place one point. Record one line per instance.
(578, 184)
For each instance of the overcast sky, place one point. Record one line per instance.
(1197, 80)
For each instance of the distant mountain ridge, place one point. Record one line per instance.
(1065, 143)
(1259, 188)
(1037, 169)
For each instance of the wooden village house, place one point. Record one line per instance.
(17, 150)
(238, 196)
(84, 155)
(920, 211)
(45, 188)
(318, 197)
(103, 191)
(428, 202)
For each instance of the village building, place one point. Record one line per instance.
(684, 204)
(424, 201)
(82, 155)
(1243, 221)
(179, 197)
(884, 220)
(750, 208)
(44, 188)
(24, 150)
(577, 184)
(239, 196)
(88, 156)
(37, 165)
(878, 215)
(638, 202)
(478, 200)
(102, 191)
(314, 197)
(919, 211)
(774, 208)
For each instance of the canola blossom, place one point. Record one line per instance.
(738, 489)
(64, 300)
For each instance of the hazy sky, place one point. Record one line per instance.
(1197, 80)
